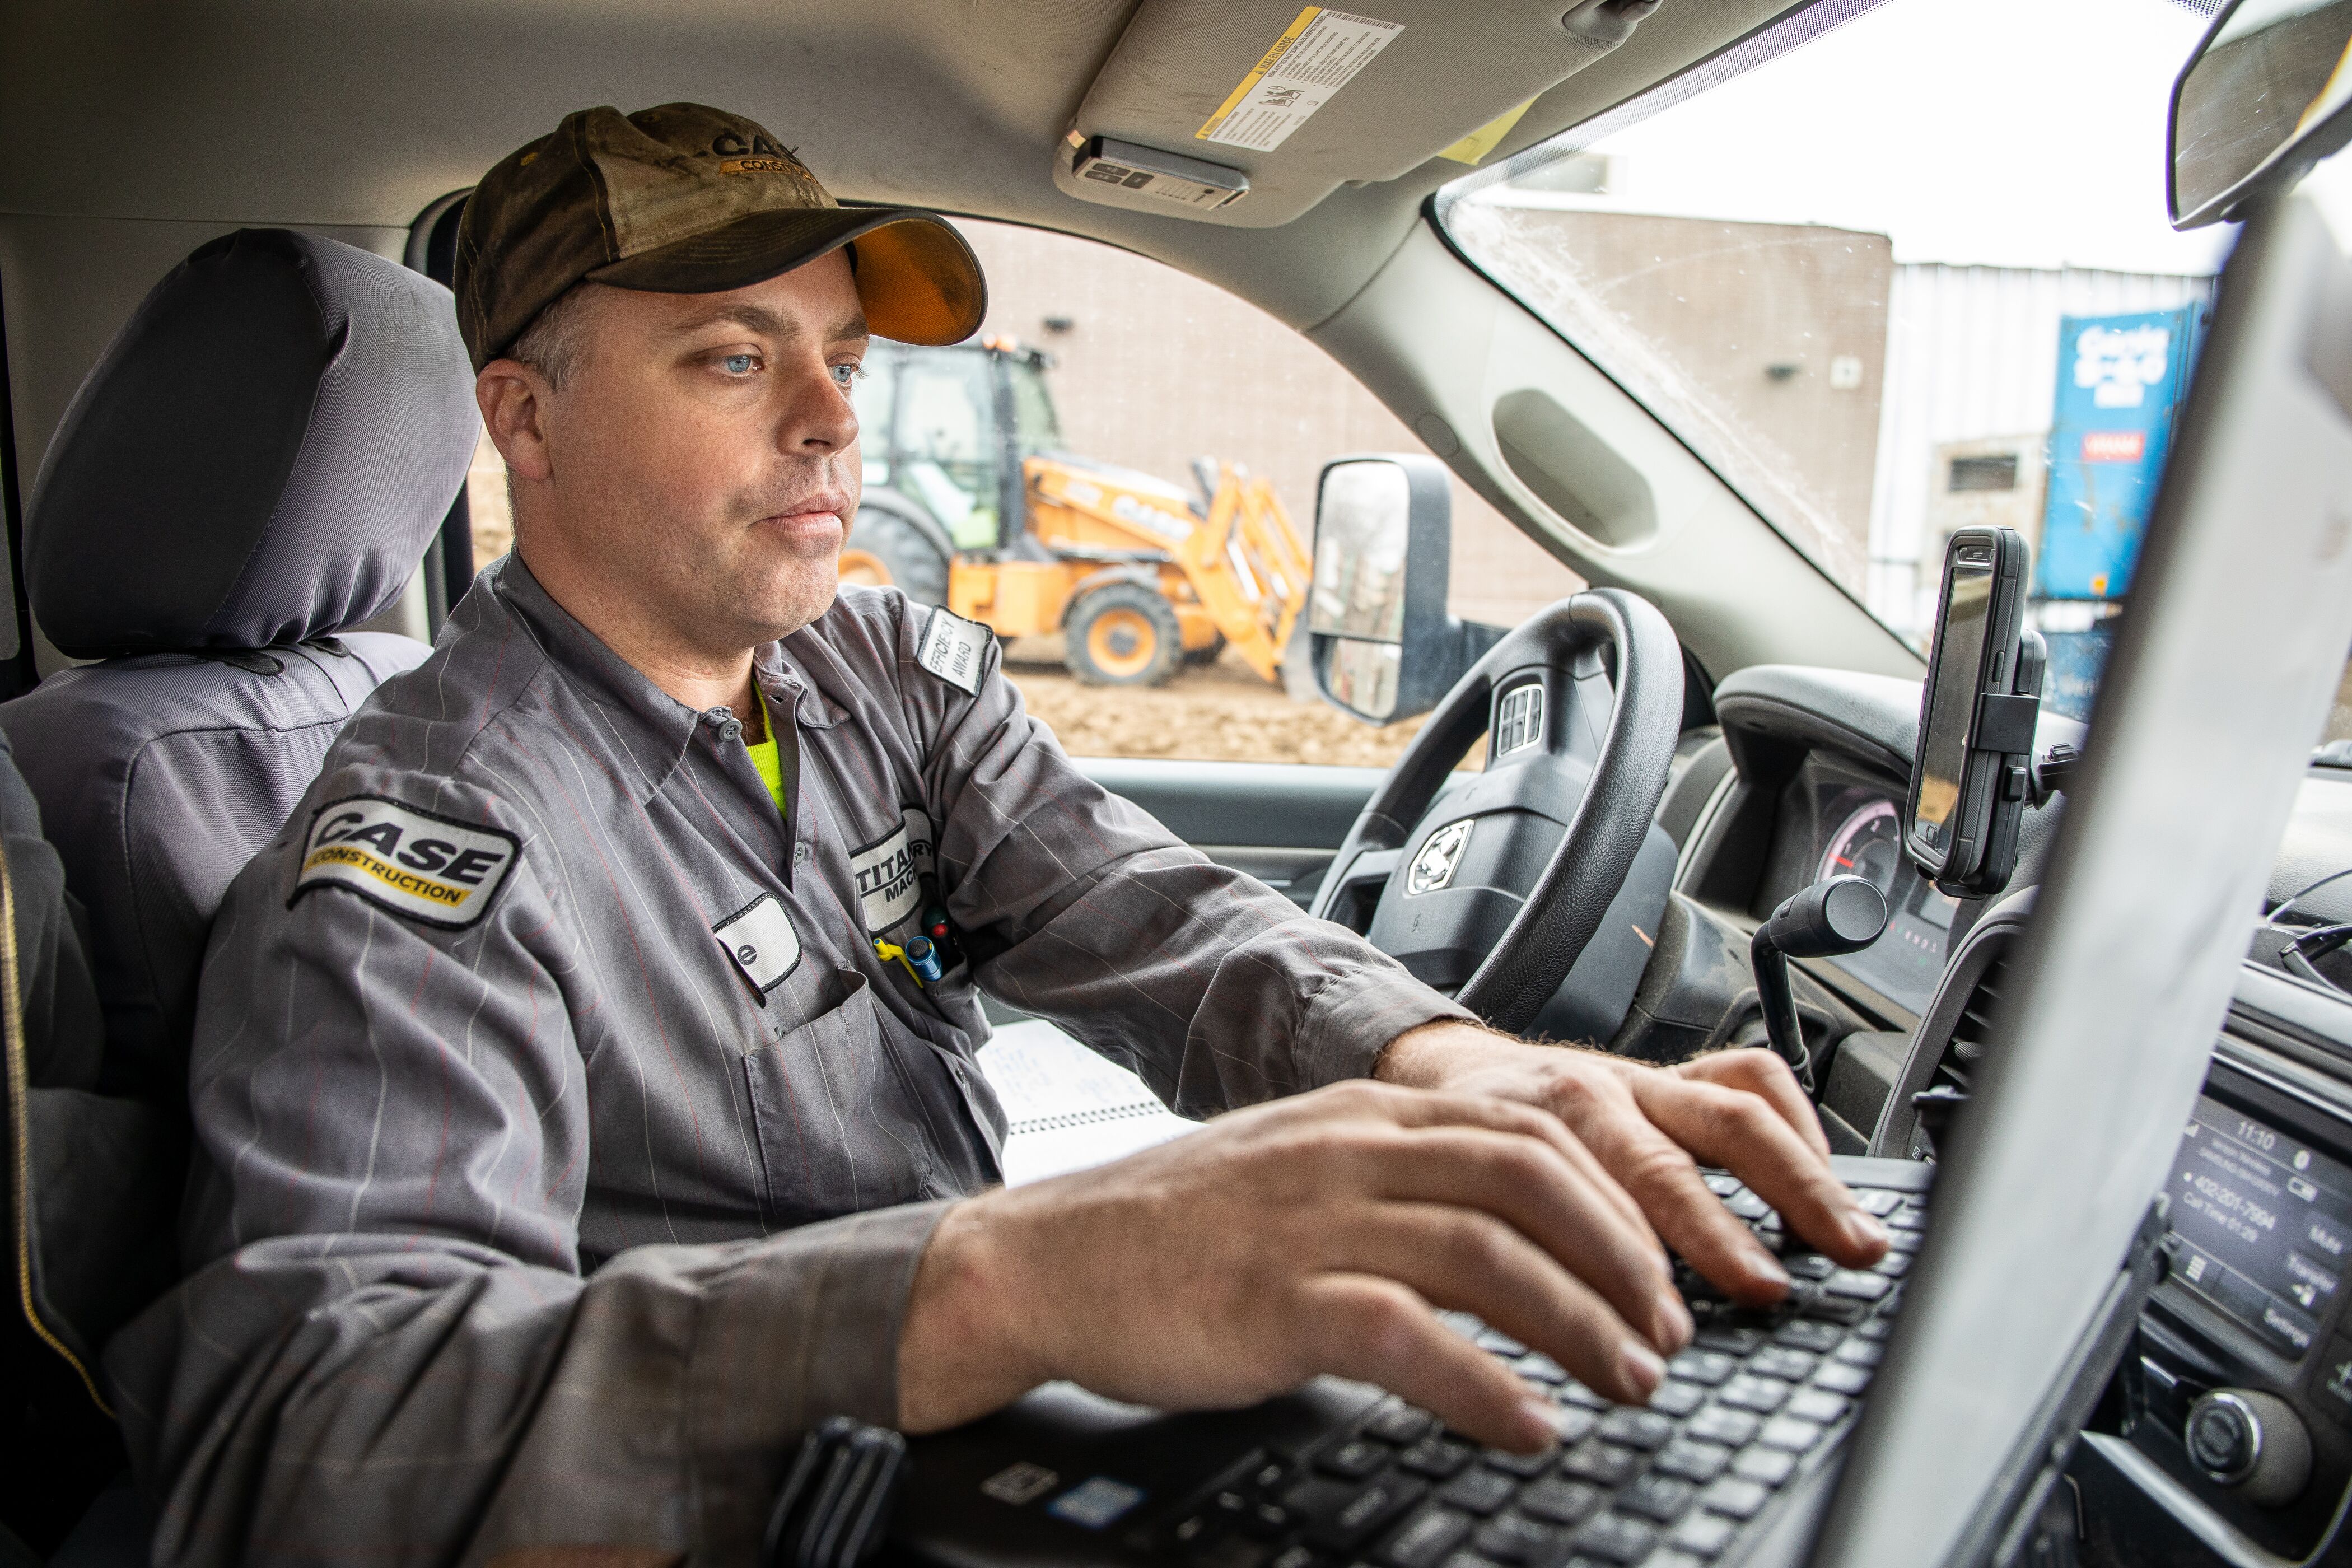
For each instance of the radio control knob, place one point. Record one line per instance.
(2253, 1443)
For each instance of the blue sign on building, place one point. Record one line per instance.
(2120, 382)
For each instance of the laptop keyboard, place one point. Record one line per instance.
(1759, 1399)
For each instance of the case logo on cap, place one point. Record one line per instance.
(430, 868)
(951, 650)
(761, 940)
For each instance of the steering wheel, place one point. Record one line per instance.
(1499, 893)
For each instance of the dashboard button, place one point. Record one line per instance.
(2222, 1439)
(2253, 1443)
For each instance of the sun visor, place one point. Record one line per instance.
(1284, 107)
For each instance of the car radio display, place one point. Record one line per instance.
(2261, 1226)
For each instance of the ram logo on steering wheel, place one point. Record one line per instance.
(1433, 868)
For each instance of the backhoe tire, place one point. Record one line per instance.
(1123, 634)
(887, 550)
(1206, 654)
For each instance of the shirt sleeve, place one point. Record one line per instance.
(388, 1351)
(1081, 908)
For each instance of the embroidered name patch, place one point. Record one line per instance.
(433, 870)
(950, 649)
(890, 872)
(760, 938)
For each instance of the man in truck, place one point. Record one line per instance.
(581, 1119)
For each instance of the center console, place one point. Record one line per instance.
(2242, 1385)
(2227, 1436)
(2233, 1410)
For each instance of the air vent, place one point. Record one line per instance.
(1973, 1032)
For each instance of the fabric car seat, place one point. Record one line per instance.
(257, 463)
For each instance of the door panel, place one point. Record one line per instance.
(1280, 822)
(1274, 805)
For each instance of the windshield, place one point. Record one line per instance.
(1914, 276)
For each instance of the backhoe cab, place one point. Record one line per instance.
(969, 503)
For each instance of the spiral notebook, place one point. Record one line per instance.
(1070, 1108)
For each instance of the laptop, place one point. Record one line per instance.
(1916, 1413)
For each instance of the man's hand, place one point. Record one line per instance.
(1739, 1110)
(1310, 1235)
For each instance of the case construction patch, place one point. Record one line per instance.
(428, 868)
(951, 650)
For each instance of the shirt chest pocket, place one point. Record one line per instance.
(854, 1113)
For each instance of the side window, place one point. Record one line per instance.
(1157, 443)
(1171, 437)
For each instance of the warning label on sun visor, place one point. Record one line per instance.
(1317, 55)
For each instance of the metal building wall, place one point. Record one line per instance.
(1972, 352)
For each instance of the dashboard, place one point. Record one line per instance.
(1834, 819)
(2234, 1405)
(2226, 1437)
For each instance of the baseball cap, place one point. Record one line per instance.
(687, 199)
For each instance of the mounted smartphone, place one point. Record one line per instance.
(1968, 773)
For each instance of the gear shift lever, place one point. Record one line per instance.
(1835, 915)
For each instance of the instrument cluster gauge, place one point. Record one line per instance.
(1867, 843)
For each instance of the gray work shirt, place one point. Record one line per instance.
(566, 1147)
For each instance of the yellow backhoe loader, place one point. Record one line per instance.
(968, 502)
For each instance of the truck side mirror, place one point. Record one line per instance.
(1383, 647)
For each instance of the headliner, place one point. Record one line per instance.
(365, 112)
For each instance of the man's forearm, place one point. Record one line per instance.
(963, 1350)
(324, 1397)
(1429, 1054)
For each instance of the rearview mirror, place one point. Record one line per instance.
(2262, 99)
(1383, 647)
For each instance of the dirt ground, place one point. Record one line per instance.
(1217, 712)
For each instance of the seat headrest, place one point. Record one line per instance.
(260, 457)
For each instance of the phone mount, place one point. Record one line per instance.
(2004, 725)
(1977, 761)
(2030, 773)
